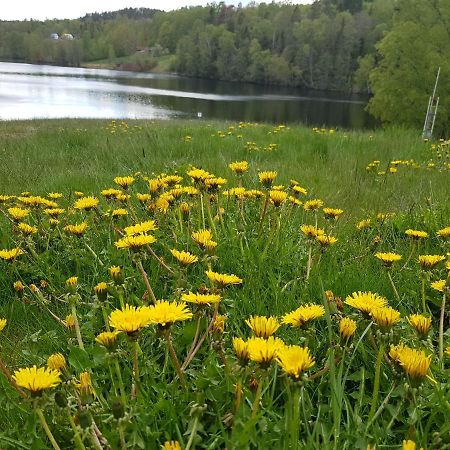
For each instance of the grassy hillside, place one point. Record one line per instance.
(358, 392)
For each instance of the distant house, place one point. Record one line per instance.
(67, 36)
(54, 36)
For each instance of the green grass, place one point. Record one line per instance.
(67, 156)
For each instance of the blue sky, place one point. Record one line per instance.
(49, 9)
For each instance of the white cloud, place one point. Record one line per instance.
(49, 9)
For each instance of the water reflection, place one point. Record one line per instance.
(31, 91)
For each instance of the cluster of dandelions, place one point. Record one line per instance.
(139, 213)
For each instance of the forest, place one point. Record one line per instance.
(388, 48)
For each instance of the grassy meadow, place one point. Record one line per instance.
(350, 368)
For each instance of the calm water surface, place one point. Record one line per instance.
(30, 91)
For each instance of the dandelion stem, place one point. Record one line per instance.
(93, 253)
(193, 433)
(441, 329)
(173, 355)
(77, 326)
(424, 305)
(210, 218)
(308, 267)
(135, 350)
(46, 428)
(294, 424)
(159, 260)
(263, 214)
(258, 395)
(238, 395)
(146, 281)
(376, 385)
(202, 210)
(7, 374)
(76, 434)
(121, 385)
(393, 285)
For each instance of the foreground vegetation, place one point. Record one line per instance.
(318, 232)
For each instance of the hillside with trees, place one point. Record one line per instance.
(389, 48)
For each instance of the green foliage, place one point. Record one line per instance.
(410, 55)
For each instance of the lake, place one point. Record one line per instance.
(29, 91)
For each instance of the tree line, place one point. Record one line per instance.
(389, 48)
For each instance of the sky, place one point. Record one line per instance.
(71, 9)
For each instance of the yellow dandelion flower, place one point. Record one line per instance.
(143, 197)
(239, 167)
(223, 279)
(54, 195)
(129, 319)
(332, 213)
(69, 322)
(312, 205)
(184, 258)
(218, 325)
(363, 224)
(201, 236)
(54, 212)
(263, 326)
(388, 258)
(324, 239)
(119, 212)
(201, 299)
(365, 301)
(77, 229)
(267, 177)
(36, 379)
(18, 286)
(199, 175)
(439, 285)
(347, 328)
(11, 255)
(264, 351)
(241, 349)
(135, 242)
(409, 445)
(86, 203)
(430, 261)
(3, 323)
(296, 189)
(27, 229)
(294, 360)
(277, 197)
(72, 281)
(110, 193)
(171, 445)
(444, 232)
(420, 323)
(166, 313)
(141, 228)
(108, 339)
(56, 361)
(18, 213)
(416, 234)
(124, 182)
(214, 183)
(385, 317)
(303, 315)
(311, 231)
(84, 385)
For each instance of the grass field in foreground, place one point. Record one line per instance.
(350, 389)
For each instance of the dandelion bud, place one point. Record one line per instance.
(118, 409)
(19, 288)
(116, 274)
(347, 328)
(71, 284)
(69, 322)
(60, 399)
(56, 361)
(101, 290)
(84, 419)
